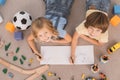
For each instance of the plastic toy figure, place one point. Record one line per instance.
(95, 68)
(102, 76)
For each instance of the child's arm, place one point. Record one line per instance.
(93, 41)
(73, 45)
(31, 43)
(66, 39)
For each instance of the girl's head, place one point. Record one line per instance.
(43, 29)
(97, 23)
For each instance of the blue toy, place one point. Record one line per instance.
(18, 35)
(116, 9)
(2, 2)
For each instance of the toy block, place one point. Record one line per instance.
(115, 20)
(116, 9)
(17, 49)
(5, 70)
(10, 27)
(2, 2)
(18, 35)
(1, 19)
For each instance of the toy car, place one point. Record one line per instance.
(114, 48)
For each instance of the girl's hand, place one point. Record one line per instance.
(39, 57)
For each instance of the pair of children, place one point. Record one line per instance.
(50, 28)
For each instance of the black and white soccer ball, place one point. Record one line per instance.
(22, 20)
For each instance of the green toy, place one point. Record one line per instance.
(7, 46)
(44, 77)
(17, 50)
(23, 57)
(15, 58)
(5, 70)
(21, 62)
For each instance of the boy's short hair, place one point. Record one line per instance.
(41, 22)
(97, 20)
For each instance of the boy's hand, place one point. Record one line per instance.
(72, 59)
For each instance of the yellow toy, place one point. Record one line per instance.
(51, 74)
(114, 48)
(10, 27)
(83, 76)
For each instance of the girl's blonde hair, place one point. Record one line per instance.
(38, 24)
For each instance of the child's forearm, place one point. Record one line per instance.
(93, 41)
(74, 43)
(32, 46)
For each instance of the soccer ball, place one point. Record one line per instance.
(22, 20)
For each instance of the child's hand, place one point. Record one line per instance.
(72, 59)
(39, 57)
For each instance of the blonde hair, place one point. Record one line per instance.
(38, 24)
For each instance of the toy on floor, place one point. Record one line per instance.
(11, 53)
(10, 74)
(44, 77)
(21, 61)
(15, 58)
(94, 68)
(23, 57)
(83, 76)
(7, 46)
(2, 2)
(10, 27)
(115, 20)
(104, 59)
(22, 20)
(51, 74)
(90, 78)
(18, 35)
(35, 72)
(114, 48)
(30, 61)
(5, 70)
(102, 76)
(116, 9)
(1, 19)
(17, 49)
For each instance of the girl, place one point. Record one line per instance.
(43, 31)
(94, 28)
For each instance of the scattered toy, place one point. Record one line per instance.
(18, 35)
(5, 70)
(44, 77)
(10, 74)
(51, 74)
(116, 9)
(10, 53)
(2, 2)
(90, 78)
(15, 58)
(23, 57)
(7, 46)
(59, 78)
(30, 61)
(21, 62)
(115, 20)
(10, 27)
(102, 76)
(94, 68)
(83, 76)
(104, 59)
(114, 48)
(17, 49)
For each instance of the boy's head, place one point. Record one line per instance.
(43, 29)
(97, 23)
